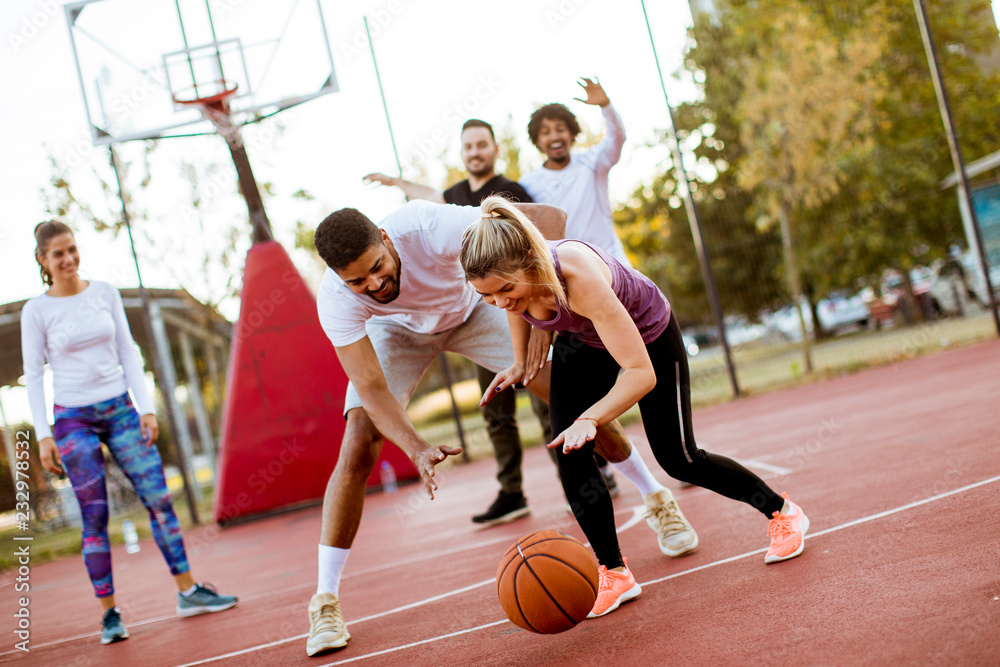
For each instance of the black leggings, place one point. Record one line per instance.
(581, 376)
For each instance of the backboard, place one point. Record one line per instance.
(138, 62)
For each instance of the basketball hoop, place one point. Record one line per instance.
(218, 102)
(214, 108)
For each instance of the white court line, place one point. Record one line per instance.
(422, 641)
(706, 566)
(636, 512)
(637, 515)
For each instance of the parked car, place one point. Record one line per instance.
(740, 330)
(836, 312)
(888, 305)
(957, 285)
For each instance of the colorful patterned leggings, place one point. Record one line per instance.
(79, 433)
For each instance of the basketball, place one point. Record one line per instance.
(547, 582)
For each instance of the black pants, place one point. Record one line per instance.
(581, 376)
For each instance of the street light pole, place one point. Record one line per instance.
(695, 222)
(956, 150)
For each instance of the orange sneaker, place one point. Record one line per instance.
(787, 533)
(613, 589)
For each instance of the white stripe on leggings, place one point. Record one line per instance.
(680, 411)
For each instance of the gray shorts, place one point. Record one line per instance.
(405, 355)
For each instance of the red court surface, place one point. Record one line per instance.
(898, 469)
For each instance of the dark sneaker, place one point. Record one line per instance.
(203, 600)
(507, 507)
(609, 479)
(112, 628)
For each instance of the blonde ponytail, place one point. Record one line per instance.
(504, 241)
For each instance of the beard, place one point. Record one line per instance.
(481, 170)
(393, 293)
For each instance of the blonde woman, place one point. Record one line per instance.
(618, 345)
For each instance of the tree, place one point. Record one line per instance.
(861, 165)
(805, 119)
(655, 230)
(196, 240)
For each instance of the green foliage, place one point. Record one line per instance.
(826, 106)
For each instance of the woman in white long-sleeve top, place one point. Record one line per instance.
(79, 327)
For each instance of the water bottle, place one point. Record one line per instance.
(388, 477)
(131, 537)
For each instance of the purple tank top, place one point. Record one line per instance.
(641, 297)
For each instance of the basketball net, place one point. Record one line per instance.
(219, 116)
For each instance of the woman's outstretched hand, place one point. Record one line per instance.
(576, 436)
(504, 379)
(538, 353)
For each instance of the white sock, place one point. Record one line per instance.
(635, 471)
(331, 567)
(189, 591)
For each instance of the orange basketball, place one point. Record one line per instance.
(547, 582)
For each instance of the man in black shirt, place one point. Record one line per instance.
(479, 154)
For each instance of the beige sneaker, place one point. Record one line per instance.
(327, 630)
(673, 532)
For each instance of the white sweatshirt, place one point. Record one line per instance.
(86, 340)
(581, 188)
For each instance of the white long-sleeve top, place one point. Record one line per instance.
(581, 188)
(86, 340)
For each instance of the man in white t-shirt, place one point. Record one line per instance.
(394, 299)
(578, 182)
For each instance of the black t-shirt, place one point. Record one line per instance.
(461, 193)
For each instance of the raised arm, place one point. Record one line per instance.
(609, 150)
(410, 189)
(387, 414)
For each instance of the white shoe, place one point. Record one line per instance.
(673, 532)
(327, 630)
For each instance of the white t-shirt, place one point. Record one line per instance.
(581, 188)
(433, 293)
(86, 340)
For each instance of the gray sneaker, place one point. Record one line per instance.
(673, 532)
(203, 600)
(327, 630)
(112, 628)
